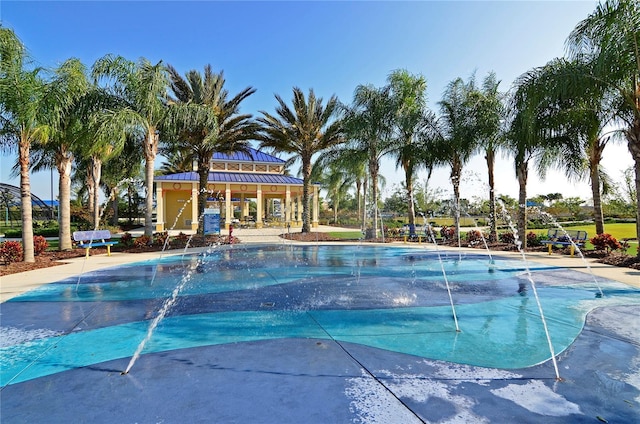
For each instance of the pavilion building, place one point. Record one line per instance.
(235, 180)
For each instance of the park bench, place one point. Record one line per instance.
(571, 238)
(95, 238)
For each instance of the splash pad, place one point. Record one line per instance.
(293, 311)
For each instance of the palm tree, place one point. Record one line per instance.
(353, 164)
(335, 180)
(535, 133)
(142, 87)
(489, 116)
(308, 129)
(176, 161)
(408, 96)
(30, 108)
(609, 38)
(125, 167)
(368, 127)
(207, 121)
(456, 135)
(577, 102)
(58, 151)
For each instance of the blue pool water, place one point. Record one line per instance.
(383, 297)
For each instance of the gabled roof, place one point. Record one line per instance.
(233, 177)
(253, 156)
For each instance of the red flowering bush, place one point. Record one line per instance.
(126, 239)
(11, 251)
(160, 238)
(475, 237)
(507, 237)
(605, 242)
(447, 232)
(182, 237)
(40, 244)
(142, 241)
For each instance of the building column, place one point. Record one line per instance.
(159, 208)
(194, 206)
(287, 205)
(299, 210)
(243, 211)
(315, 222)
(227, 206)
(259, 222)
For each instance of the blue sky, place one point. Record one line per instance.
(329, 46)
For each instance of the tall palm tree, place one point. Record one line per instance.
(353, 164)
(578, 102)
(456, 138)
(609, 39)
(306, 130)
(142, 87)
(408, 96)
(30, 107)
(126, 166)
(489, 115)
(368, 128)
(58, 151)
(535, 132)
(335, 180)
(206, 121)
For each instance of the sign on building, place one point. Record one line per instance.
(211, 221)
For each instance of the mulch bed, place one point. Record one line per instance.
(54, 258)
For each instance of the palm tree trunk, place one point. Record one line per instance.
(456, 171)
(373, 168)
(25, 202)
(64, 190)
(363, 211)
(633, 143)
(203, 174)
(408, 177)
(96, 174)
(90, 190)
(493, 214)
(306, 203)
(358, 197)
(150, 151)
(114, 206)
(522, 172)
(598, 216)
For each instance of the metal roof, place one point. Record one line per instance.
(253, 156)
(233, 177)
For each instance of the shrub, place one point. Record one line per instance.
(126, 239)
(160, 238)
(605, 242)
(507, 237)
(534, 240)
(475, 237)
(447, 232)
(40, 244)
(11, 251)
(142, 241)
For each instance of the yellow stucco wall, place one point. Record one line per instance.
(174, 201)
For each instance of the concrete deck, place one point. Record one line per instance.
(320, 380)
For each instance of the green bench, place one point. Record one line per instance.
(571, 238)
(95, 238)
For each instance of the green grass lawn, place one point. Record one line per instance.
(347, 235)
(618, 230)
